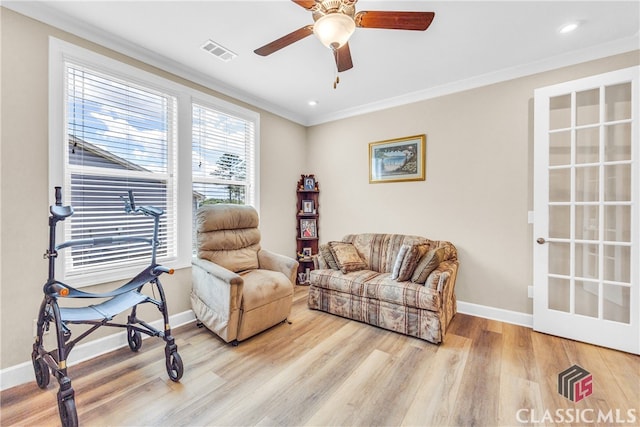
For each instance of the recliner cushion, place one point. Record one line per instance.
(228, 236)
(262, 287)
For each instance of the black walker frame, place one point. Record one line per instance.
(126, 297)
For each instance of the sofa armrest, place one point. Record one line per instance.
(443, 280)
(275, 262)
(440, 278)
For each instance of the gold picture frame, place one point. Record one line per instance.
(397, 160)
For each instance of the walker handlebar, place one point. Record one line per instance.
(130, 206)
(58, 196)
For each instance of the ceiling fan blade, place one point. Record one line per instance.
(285, 41)
(343, 58)
(418, 21)
(307, 4)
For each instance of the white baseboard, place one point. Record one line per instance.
(502, 315)
(23, 372)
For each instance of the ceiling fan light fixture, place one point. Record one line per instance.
(334, 29)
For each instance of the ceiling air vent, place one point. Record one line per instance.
(219, 51)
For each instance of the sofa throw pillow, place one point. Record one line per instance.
(325, 251)
(347, 257)
(406, 261)
(427, 264)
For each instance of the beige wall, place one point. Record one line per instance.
(479, 179)
(25, 189)
(477, 192)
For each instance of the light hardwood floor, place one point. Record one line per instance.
(325, 370)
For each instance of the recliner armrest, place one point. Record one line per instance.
(275, 262)
(217, 271)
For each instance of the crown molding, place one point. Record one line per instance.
(49, 16)
(571, 58)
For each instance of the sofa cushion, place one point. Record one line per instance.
(325, 252)
(383, 288)
(347, 257)
(407, 260)
(379, 250)
(350, 283)
(427, 264)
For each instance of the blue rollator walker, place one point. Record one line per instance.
(126, 297)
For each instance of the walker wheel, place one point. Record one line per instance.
(135, 339)
(175, 368)
(41, 370)
(68, 414)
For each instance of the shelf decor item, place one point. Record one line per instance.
(309, 183)
(395, 160)
(308, 229)
(307, 209)
(307, 206)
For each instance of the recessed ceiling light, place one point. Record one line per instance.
(313, 103)
(569, 27)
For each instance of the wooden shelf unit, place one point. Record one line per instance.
(307, 216)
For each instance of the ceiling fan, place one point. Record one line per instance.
(335, 22)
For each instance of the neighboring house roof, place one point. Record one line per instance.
(95, 156)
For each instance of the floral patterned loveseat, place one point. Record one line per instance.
(398, 282)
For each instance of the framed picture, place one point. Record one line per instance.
(306, 252)
(308, 229)
(307, 206)
(395, 160)
(309, 183)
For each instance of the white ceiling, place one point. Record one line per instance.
(469, 43)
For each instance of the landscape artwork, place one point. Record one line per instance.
(394, 160)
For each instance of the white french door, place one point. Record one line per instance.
(586, 210)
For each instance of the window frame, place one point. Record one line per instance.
(61, 52)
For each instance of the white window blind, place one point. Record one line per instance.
(121, 136)
(223, 166)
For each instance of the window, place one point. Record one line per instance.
(121, 136)
(113, 128)
(223, 158)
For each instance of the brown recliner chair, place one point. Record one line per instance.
(238, 289)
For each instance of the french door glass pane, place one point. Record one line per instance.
(617, 265)
(559, 294)
(559, 254)
(560, 185)
(616, 303)
(588, 145)
(560, 112)
(618, 143)
(587, 184)
(587, 222)
(586, 297)
(617, 223)
(617, 183)
(588, 107)
(586, 260)
(560, 148)
(618, 102)
(559, 222)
